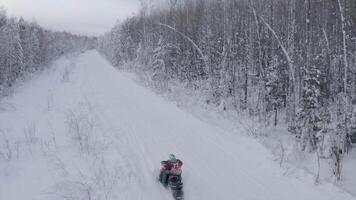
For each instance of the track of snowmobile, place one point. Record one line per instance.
(217, 164)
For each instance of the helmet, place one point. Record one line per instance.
(172, 158)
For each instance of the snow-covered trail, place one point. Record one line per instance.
(143, 129)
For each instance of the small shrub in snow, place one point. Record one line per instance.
(67, 71)
(31, 139)
(6, 150)
(96, 180)
(81, 126)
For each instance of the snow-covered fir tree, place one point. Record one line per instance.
(309, 117)
(159, 74)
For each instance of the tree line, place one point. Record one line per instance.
(25, 47)
(267, 58)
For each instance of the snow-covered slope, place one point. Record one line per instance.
(84, 130)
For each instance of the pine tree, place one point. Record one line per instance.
(30, 45)
(310, 118)
(159, 75)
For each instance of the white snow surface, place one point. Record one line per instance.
(84, 130)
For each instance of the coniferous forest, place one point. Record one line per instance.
(266, 58)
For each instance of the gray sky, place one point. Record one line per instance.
(89, 17)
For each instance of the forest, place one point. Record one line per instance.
(279, 61)
(25, 48)
(178, 99)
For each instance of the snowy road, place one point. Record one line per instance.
(139, 129)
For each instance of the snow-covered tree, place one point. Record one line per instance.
(159, 75)
(30, 45)
(310, 114)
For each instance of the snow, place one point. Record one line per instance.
(84, 130)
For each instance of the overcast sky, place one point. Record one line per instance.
(89, 17)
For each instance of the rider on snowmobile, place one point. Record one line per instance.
(172, 166)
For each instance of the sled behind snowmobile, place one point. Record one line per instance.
(175, 184)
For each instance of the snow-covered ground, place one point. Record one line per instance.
(84, 130)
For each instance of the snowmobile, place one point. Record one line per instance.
(174, 183)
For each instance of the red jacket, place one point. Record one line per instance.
(174, 167)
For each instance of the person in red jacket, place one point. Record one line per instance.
(170, 167)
